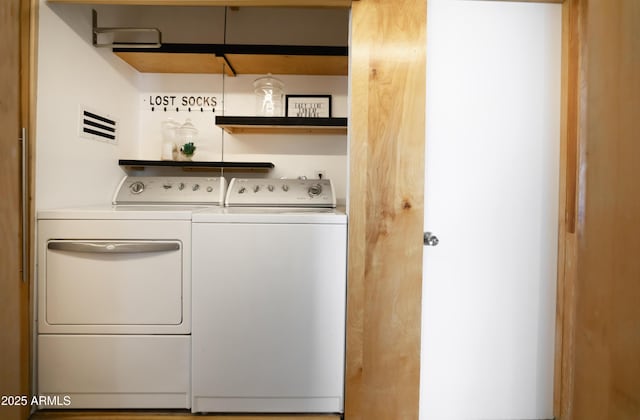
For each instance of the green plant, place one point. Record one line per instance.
(188, 149)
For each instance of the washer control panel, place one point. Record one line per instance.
(267, 192)
(171, 190)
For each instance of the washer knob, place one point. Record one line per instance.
(315, 190)
(181, 186)
(270, 187)
(137, 187)
(209, 188)
(242, 190)
(256, 188)
(196, 187)
(285, 187)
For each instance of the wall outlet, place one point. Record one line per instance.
(319, 174)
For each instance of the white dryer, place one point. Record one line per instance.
(269, 287)
(114, 296)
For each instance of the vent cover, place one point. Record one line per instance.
(97, 125)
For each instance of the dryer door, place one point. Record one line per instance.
(126, 285)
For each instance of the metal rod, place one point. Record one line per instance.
(106, 30)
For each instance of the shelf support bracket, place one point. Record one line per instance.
(97, 30)
(228, 68)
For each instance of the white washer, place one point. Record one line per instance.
(269, 287)
(114, 296)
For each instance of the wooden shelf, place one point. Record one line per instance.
(195, 164)
(238, 59)
(282, 125)
(237, 3)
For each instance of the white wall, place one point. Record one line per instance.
(72, 72)
(71, 170)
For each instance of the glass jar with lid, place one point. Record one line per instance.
(269, 96)
(187, 135)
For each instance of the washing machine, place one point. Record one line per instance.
(114, 296)
(269, 295)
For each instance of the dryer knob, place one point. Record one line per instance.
(137, 187)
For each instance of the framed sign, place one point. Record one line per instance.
(308, 106)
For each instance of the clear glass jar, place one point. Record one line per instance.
(269, 96)
(187, 135)
(169, 138)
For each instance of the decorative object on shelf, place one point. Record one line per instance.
(187, 150)
(169, 134)
(187, 134)
(309, 106)
(269, 94)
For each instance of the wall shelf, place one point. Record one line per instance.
(243, 3)
(238, 59)
(134, 163)
(282, 125)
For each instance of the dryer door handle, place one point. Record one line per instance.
(112, 247)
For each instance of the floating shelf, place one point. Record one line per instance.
(234, 59)
(195, 164)
(261, 3)
(282, 125)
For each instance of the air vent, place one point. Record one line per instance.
(97, 125)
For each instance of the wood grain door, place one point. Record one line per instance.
(14, 350)
(386, 185)
(605, 376)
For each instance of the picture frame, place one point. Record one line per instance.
(308, 106)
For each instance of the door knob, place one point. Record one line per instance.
(430, 239)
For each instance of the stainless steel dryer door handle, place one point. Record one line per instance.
(113, 247)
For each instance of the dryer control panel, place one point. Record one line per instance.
(267, 192)
(171, 190)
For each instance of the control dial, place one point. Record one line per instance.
(137, 187)
(315, 190)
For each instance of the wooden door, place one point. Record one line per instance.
(14, 313)
(604, 370)
(387, 124)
